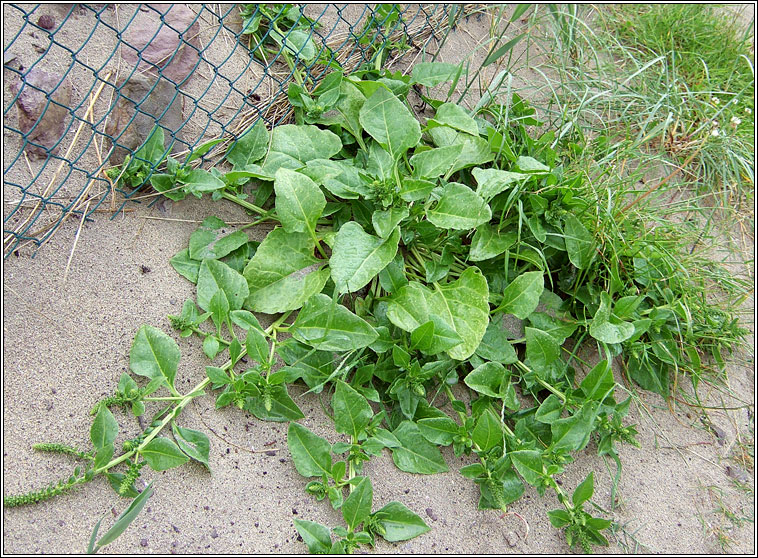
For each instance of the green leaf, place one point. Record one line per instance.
(399, 523)
(192, 442)
(557, 327)
(211, 346)
(213, 240)
(126, 518)
(310, 453)
(436, 162)
(584, 491)
(529, 465)
(316, 537)
(283, 408)
(599, 382)
(216, 276)
(522, 295)
(104, 428)
(607, 328)
(488, 431)
(573, 433)
(490, 182)
(542, 349)
(549, 410)
(386, 221)
(580, 244)
(219, 308)
(154, 354)
(530, 164)
(415, 189)
(341, 178)
(152, 150)
(217, 376)
(357, 257)
(303, 143)
(161, 454)
(438, 430)
(456, 117)
(475, 150)
(487, 378)
(199, 181)
(495, 345)
(416, 455)
(389, 122)
(489, 242)
(257, 346)
(283, 273)
(357, 506)
(245, 320)
(250, 147)
(328, 326)
(432, 74)
(459, 208)
(502, 51)
(299, 201)
(352, 413)
(185, 266)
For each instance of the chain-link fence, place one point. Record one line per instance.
(84, 85)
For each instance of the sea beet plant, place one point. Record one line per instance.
(435, 279)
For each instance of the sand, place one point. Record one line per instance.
(66, 340)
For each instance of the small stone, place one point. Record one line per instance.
(143, 542)
(46, 21)
(511, 538)
(431, 514)
(271, 453)
(214, 533)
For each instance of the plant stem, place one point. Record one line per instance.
(247, 205)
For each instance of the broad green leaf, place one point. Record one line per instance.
(487, 378)
(296, 43)
(352, 413)
(214, 240)
(414, 189)
(250, 147)
(357, 257)
(530, 164)
(584, 491)
(607, 328)
(152, 150)
(573, 433)
(650, 373)
(549, 410)
(489, 242)
(192, 442)
(399, 523)
(408, 308)
(219, 308)
(488, 431)
(386, 221)
(435, 336)
(185, 266)
(459, 208)
(199, 181)
(217, 376)
(389, 122)
(416, 455)
(216, 276)
(438, 430)
(283, 408)
(104, 428)
(431, 74)
(202, 149)
(529, 465)
(245, 320)
(542, 349)
(556, 327)
(357, 506)
(599, 382)
(475, 150)
(495, 345)
(490, 182)
(303, 143)
(311, 454)
(316, 537)
(211, 346)
(154, 354)
(328, 326)
(161, 454)
(580, 244)
(522, 295)
(283, 273)
(125, 519)
(299, 201)
(456, 117)
(341, 178)
(436, 162)
(257, 346)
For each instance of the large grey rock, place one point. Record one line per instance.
(43, 101)
(143, 101)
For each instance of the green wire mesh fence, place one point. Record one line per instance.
(84, 86)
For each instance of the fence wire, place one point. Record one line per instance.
(84, 85)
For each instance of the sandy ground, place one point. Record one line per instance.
(66, 342)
